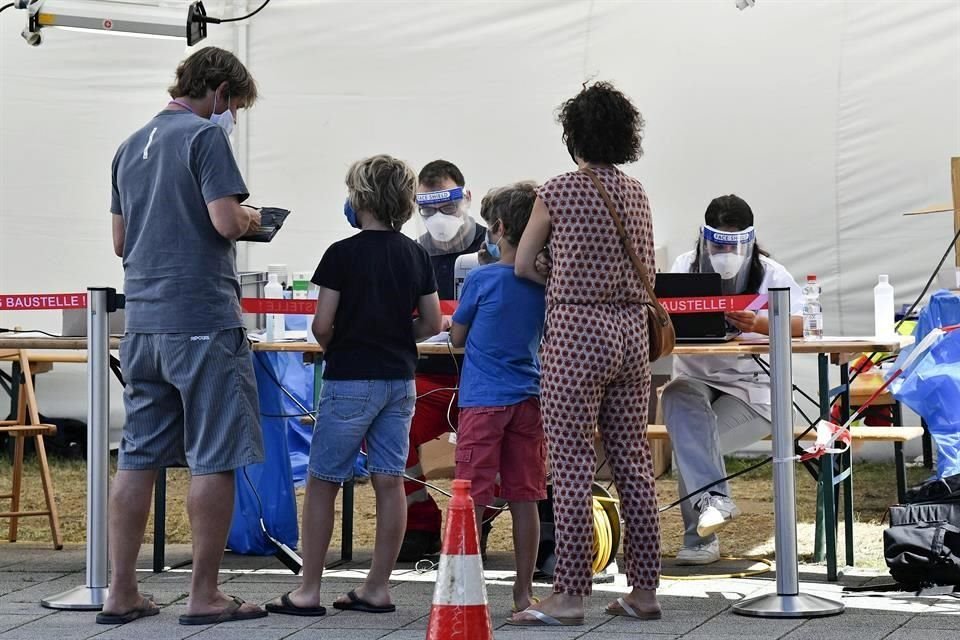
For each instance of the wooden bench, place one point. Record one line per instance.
(864, 385)
(897, 435)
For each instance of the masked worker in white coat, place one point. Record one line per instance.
(717, 405)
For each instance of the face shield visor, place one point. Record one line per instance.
(728, 253)
(443, 222)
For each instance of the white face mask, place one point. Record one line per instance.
(727, 264)
(223, 120)
(442, 227)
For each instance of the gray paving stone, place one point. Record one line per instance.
(855, 619)
(861, 633)
(915, 634)
(273, 621)
(732, 624)
(39, 629)
(11, 621)
(538, 633)
(232, 632)
(418, 624)
(668, 603)
(37, 592)
(163, 626)
(600, 634)
(22, 608)
(712, 635)
(941, 619)
(165, 597)
(898, 604)
(357, 620)
(349, 634)
(404, 634)
(676, 622)
(263, 578)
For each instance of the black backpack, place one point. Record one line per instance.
(922, 545)
(68, 443)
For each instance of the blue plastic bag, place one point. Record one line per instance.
(931, 385)
(943, 310)
(273, 479)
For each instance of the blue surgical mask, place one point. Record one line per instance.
(493, 248)
(350, 214)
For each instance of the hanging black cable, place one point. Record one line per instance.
(212, 20)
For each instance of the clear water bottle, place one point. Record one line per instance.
(812, 311)
(275, 321)
(883, 311)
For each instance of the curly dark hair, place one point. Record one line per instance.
(511, 205)
(601, 125)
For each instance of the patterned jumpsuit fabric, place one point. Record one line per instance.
(596, 372)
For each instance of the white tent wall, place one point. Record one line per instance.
(65, 107)
(830, 118)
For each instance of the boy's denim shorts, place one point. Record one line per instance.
(352, 412)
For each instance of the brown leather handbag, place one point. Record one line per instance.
(660, 327)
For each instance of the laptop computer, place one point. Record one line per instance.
(695, 327)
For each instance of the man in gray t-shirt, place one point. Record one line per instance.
(190, 396)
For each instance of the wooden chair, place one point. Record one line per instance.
(20, 429)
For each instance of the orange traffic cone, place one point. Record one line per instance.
(459, 610)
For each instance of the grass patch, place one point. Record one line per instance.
(750, 535)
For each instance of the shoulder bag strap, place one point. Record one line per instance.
(628, 246)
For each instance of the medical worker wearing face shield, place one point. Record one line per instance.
(449, 231)
(714, 405)
(444, 204)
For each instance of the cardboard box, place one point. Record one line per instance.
(436, 458)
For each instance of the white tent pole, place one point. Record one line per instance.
(242, 136)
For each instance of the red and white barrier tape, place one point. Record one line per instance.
(828, 434)
(42, 301)
(49, 301)
(714, 304)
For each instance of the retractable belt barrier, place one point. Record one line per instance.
(99, 302)
(787, 601)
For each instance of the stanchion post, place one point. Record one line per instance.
(91, 596)
(787, 602)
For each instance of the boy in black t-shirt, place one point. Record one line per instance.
(369, 284)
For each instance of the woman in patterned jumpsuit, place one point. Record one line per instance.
(596, 369)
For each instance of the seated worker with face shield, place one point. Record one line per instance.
(450, 231)
(717, 405)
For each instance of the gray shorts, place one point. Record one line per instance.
(191, 401)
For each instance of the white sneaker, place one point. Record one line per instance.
(715, 513)
(699, 555)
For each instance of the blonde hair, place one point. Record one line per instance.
(384, 186)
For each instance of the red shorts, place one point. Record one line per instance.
(505, 440)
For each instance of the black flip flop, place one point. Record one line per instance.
(288, 608)
(359, 604)
(146, 609)
(231, 613)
